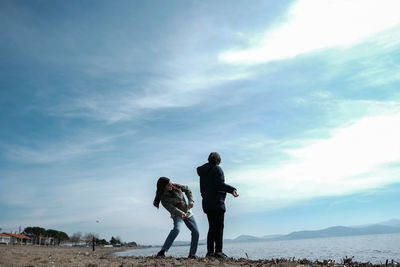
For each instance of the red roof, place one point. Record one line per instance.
(17, 236)
(3, 235)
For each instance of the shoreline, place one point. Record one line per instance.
(84, 256)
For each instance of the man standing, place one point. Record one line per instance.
(213, 191)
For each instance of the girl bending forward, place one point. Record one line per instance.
(172, 199)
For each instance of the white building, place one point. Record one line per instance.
(5, 239)
(14, 239)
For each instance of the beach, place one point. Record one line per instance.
(84, 256)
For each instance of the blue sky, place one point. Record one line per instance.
(98, 99)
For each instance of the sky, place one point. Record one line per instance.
(98, 99)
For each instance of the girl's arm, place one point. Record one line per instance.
(188, 193)
(172, 209)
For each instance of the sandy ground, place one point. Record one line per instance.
(76, 256)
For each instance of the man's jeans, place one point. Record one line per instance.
(191, 224)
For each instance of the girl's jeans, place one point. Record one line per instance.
(191, 224)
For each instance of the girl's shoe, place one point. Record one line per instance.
(192, 257)
(161, 254)
(210, 254)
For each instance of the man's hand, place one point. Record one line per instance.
(184, 216)
(190, 205)
(235, 193)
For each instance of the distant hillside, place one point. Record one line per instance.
(387, 227)
(344, 231)
(246, 238)
(392, 222)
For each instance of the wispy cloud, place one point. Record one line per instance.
(119, 106)
(354, 158)
(81, 197)
(55, 152)
(313, 25)
(124, 103)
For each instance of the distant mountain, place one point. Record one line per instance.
(344, 231)
(246, 238)
(392, 222)
(388, 227)
(271, 236)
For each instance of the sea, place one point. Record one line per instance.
(367, 248)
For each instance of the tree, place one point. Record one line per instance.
(102, 242)
(57, 235)
(62, 236)
(114, 241)
(76, 237)
(132, 244)
(36, 233)
(52, 233)
(89, 236)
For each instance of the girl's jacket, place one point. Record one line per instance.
(175, 202)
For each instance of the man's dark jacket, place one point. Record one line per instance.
(213, 187)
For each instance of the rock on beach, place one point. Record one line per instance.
(78, 256)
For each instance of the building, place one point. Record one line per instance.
(14, 239)
(5, 239)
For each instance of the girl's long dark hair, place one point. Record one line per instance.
(161, 183)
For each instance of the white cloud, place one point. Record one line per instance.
(189, 88)
(316, 24)
(68, 200)
(53, 152)
(352, 160)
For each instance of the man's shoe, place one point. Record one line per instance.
(220, 255)
(210, 254)
(193, 257)
(161, 254)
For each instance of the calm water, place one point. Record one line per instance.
(372, 248)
